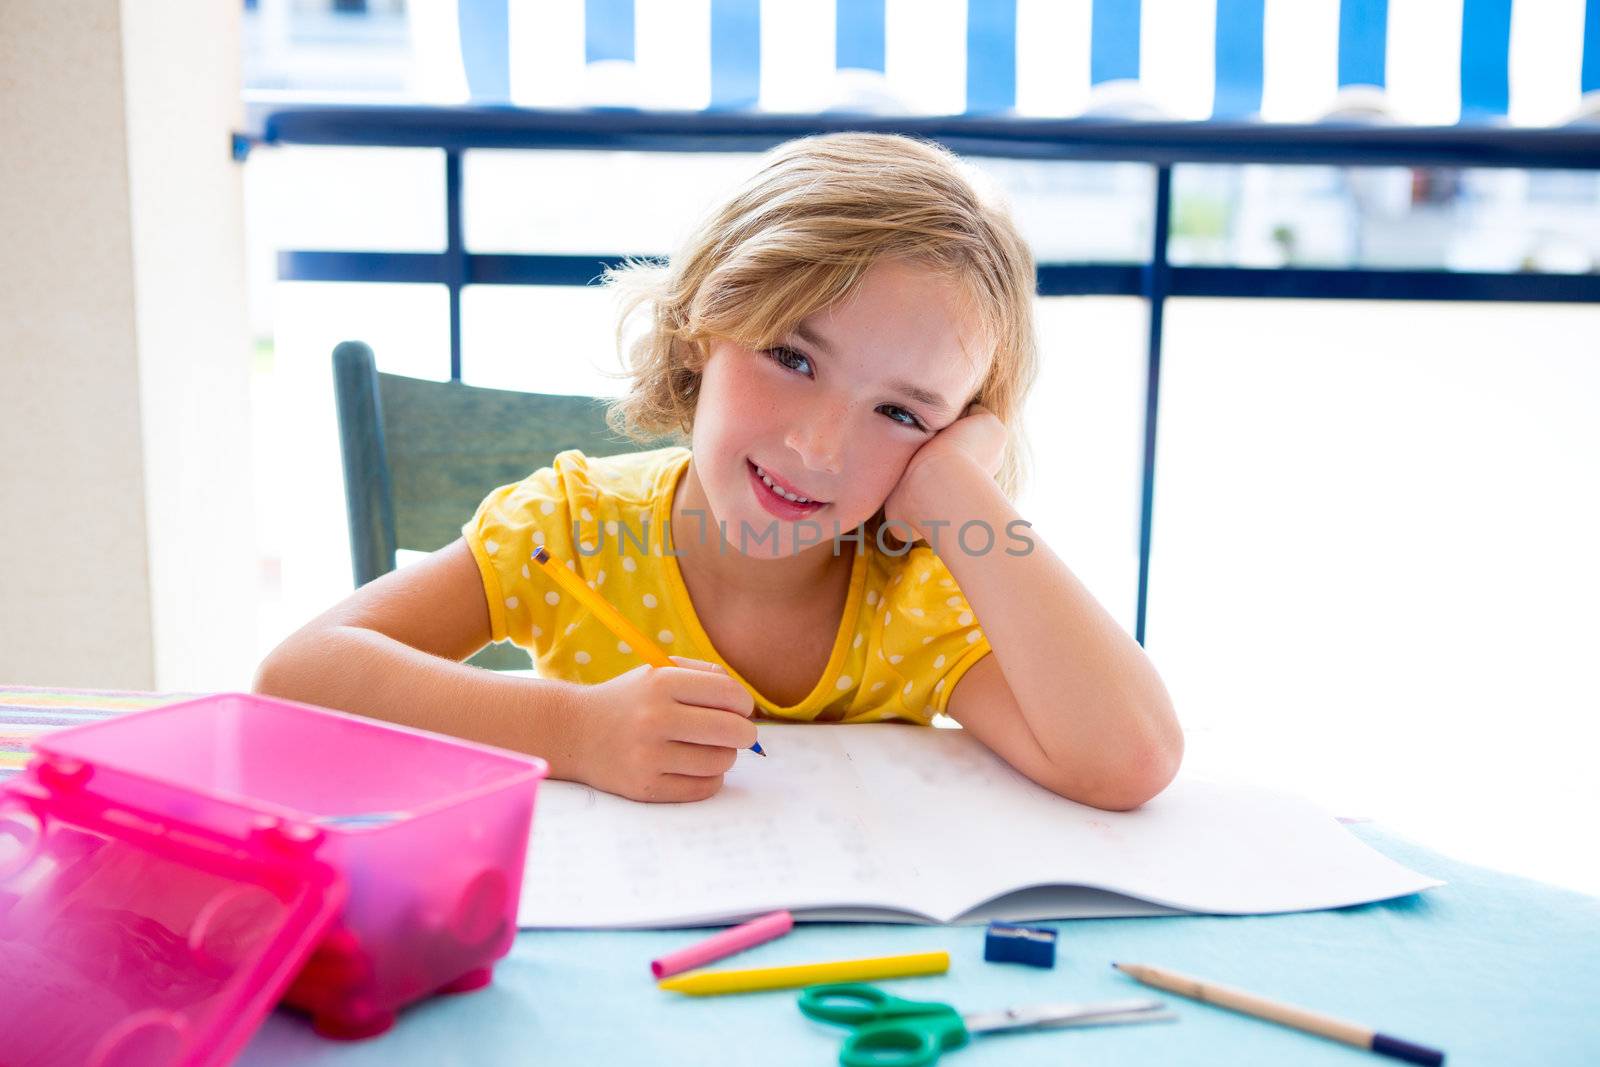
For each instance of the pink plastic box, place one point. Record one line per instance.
(167, 876)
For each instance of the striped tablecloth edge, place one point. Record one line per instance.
(29, 712)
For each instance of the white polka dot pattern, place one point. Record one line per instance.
(910, 639)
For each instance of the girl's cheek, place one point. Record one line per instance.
(883, 474)
(762, 394)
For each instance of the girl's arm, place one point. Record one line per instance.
(390, 651)
(1067, 696)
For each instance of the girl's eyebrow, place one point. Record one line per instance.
(914, 392)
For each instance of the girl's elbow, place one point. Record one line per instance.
(284, 671)
(1155, 763)
(1157, 755)
(1140, 774)
(269, 680)
(1146, 776)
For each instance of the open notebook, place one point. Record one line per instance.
(893, 823)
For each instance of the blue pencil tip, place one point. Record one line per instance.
(756, 748)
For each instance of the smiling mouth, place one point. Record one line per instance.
(778, 490)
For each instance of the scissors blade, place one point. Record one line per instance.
(1040, 1016)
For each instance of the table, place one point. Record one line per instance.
(1492, 968)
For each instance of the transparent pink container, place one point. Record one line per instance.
(175, 871)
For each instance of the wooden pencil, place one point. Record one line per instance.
(601, 609)
(609, 616)
(1283, 1014)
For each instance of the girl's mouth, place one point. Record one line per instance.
(777, 501)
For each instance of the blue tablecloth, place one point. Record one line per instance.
(1495, 970)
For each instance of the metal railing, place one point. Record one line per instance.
(1161, 145)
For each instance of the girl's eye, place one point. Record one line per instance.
(909, 420)
(788, 357)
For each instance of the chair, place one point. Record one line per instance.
(419, 456)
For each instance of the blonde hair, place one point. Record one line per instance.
(798, 237)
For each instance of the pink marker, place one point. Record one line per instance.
(741, 937)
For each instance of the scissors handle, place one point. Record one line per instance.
(912, 1041)
(857, 1004)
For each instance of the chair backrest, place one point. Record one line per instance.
(419, 456)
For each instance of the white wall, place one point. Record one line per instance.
(127, 557)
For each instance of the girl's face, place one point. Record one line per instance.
(836, 411)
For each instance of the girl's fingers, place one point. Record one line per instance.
(713, 726)
(682, 788)
(705, 689)
(699, 761)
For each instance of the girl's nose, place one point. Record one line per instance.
(818, 439)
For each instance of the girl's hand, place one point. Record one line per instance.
(662, 733)
(978, 437)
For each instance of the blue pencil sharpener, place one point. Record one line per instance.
(1010, 943)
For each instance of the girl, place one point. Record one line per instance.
(846, 344)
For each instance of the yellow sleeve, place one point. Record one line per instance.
(510, 523)
(931, 627)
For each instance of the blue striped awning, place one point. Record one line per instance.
(1527, 62)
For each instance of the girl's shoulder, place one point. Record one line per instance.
(575, 482)
(626, 474)
(574, 509)
(564, 506)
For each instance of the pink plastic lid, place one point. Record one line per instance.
(130, 940)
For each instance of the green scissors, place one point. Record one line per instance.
(892, 1032)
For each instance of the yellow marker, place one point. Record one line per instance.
(648, 650)
(711, 983)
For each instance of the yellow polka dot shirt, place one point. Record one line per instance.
(906, 637)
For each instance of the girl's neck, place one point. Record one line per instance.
(709, 563)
